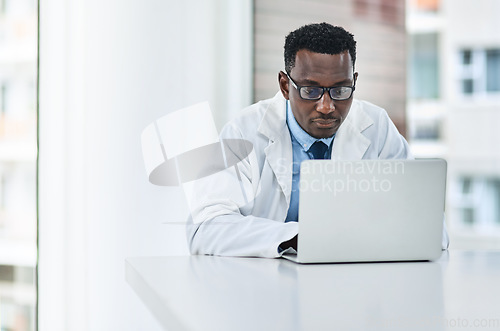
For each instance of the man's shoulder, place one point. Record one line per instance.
(248, 120)
(363, 114)
(256, 110)
(367, 108)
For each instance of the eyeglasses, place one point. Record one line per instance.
(316, 92)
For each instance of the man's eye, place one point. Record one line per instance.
(312, 91)
(339, 91)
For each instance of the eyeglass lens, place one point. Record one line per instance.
(315, 93)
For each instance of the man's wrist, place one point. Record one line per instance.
(289, 243)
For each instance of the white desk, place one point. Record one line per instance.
(459, 291)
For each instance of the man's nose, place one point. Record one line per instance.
(325, 104)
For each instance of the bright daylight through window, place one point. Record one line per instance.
(18, 71)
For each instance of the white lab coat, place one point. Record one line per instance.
(243, 214)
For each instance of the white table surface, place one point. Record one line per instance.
(459, 291)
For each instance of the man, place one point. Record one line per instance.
(252, 210)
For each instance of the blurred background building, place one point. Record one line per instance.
(453, 108)
(18, 60)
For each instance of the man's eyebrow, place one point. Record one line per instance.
(310, 82)
(345, 82)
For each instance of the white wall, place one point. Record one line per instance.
(107, 70)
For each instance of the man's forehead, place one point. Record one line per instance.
(305, 55)
(311, 64)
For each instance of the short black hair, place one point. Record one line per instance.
(321, 38)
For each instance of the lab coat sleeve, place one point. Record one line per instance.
(393, 144)
(446, 240)
(221, 221)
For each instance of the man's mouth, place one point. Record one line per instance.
(326, 122)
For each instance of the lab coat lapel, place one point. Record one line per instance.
(349, 142)
(279, 151)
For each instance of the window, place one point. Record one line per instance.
(18, 62)
(424, 67)
(493, 70)
(477, 200)
(427, 130)
(425, 5)
(479, 72)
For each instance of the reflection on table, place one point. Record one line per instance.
(220, 293)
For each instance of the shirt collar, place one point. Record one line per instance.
(302, 137)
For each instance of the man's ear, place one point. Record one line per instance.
(284, 84)
(355, 77)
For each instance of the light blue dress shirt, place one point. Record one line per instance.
(301, 142)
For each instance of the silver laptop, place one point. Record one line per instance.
(370, 210)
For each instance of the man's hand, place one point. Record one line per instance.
(290, 243)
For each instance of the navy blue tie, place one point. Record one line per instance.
(318, 150)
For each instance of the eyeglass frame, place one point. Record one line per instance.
(298, 87)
